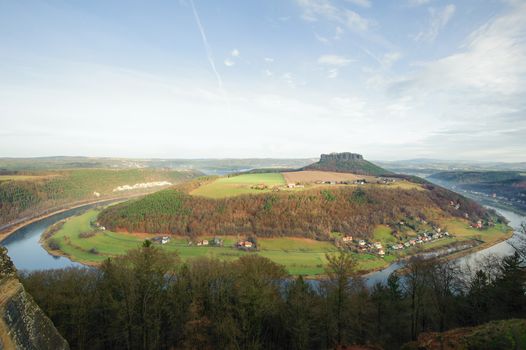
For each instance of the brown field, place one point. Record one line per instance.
(311, 176)
(26, 177)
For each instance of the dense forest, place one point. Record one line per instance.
(23, 194)
(311, 213)
(149, 299)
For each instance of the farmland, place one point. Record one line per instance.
(310, 176)
(300, 256)
(235, 185)
(239, 184)
(80, 240)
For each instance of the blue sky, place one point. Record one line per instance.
(275, 78)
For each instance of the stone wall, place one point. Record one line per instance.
(23, 325)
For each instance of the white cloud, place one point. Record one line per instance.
(414, 3)
(321, 39)
(491, 62)
(229, 63)
(269, 59)
(362, 3)
(389, 58)
(235, 53)
(333, 73)
(268, 73)
(438, 19)
(315, 9)
(334, 60)
(287, 78)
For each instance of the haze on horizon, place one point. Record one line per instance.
(277, 78)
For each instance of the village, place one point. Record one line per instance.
(360, 245)
(302, 184)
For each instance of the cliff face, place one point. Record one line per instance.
(23, 325)
(347, 162)
(340, 156)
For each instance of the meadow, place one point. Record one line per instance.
(300, 256)
(239, 184)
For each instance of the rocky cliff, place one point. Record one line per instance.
(23, 325)
(340, 156)
(347, 162)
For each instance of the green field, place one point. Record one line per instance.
(299, 255)
(239, 184)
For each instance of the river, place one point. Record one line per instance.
(27, 253)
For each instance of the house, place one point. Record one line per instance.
(347, 239)
(96, 194)
(217, 241)
(407, 244)
(378, 245)
(291, 185)
(361, 243)
(381, 252)
(412, 241)
(165, 239)
(204, 242)
(245, 244)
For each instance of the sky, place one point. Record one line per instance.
(275, 78)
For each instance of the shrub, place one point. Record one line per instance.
(87, 234)
(53, 244)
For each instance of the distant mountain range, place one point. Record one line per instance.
(425, 167)
(420, 167)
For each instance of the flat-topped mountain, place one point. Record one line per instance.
(347, 162)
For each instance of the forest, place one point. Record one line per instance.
(149, 299)
(24, 194)
(311, 213)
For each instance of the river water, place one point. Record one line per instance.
(27, 253)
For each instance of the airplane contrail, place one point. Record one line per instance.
(207, 48)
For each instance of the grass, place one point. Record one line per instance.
(300, 256)
(461, 229)
(239, 184)
(382, 233)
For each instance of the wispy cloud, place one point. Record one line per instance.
(229, 63)
(362, 3)
(414, 3)
(235, 53)
(438, 19)
(334, 62)
(313, 10)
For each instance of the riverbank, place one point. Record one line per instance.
(81, 241)
(11, 228)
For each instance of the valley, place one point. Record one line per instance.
(293, 218)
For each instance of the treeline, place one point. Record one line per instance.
(313, 214)
(148, 299)
(31, 195)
